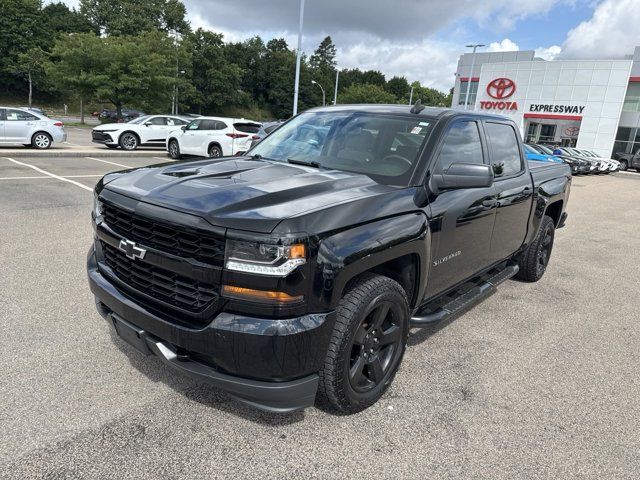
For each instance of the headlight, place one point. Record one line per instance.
(264, 259)
(97, 206)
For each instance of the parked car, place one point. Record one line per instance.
(26, 127)
(149, 130)
(613, 165)
(577, 165)
(536, 156)
(266, 129)
(297, 271)
(629, 160)
(127, 115)
(37, 110)
(212, 137)
(598, 167)
(605, 165)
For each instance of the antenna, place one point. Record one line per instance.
(418, 107)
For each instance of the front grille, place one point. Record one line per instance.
(100, 136)
(168, 287)
(174, 239)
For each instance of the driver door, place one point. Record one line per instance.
(461, 220)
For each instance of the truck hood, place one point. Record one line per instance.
(243, 193)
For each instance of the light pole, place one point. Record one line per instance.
(181, 72)
(335, 93)
(411, 96)
(324, 98)
(296, 87)
(473, 62)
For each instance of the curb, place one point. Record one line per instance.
(28, 153)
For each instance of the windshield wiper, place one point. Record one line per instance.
(304, 163)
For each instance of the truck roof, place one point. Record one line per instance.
(431, 112)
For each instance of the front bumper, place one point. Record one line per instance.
(271, 364)
(98, 136)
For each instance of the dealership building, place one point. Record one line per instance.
(593, 104)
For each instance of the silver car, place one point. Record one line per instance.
(29, 128)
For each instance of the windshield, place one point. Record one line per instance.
(544, 149)
(384, 147)
(140, 119)
(529, 149)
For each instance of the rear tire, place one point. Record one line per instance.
(534, 260)
(214, 151)
(174, 149)
(41, 141)
(623, 165)
(367, 345)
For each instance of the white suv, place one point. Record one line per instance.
(151, 130)
(212, 137)
(29, 128)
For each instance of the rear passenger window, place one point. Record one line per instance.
(504, 148)
(461, 145)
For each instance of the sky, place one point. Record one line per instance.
(422, 39)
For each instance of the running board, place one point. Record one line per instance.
(467, 299)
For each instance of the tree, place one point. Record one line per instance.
(324, 58)
(132, 17)
(216, 80)
(76, 66)
(31, 64)
(400, 88)
(366, 93)
(429, 96)
(62, 19)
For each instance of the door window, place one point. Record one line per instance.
(461, 145)
(175, 122)
(505, 149)
(20, 116)
(208, 125)
(194, 125)
(158, 121)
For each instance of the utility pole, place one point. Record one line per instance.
(324, 98)
(298, 58)
(473, 62)
(411, 96)
(335, 94)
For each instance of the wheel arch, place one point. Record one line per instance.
(394, 247)
(129, 131)
(215, 143)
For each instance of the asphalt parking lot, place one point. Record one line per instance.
(539, 381)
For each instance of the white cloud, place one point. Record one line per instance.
(432, 63)
(611, 32)
(548, 53)
(505, 45)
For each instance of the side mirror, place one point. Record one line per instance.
(183, 128)
(146, 124)
(464, 175)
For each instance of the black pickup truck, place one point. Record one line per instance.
(293, 274)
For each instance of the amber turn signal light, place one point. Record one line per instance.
(262, 296)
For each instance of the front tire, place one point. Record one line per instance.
(41, 141)
(367, 345)
(534, 260)
(623, 165)
(128, 141)
(174, 150)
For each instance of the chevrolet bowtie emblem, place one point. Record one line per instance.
(131, 250)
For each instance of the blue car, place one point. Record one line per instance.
(536, 156)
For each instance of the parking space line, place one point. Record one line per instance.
(43, 176)
(49, 174)
(164, 159)
(110, 163)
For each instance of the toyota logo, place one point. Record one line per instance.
(572, 131)
(501, 88)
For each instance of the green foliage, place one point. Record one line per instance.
(132, 17)
(140, 53)
(366, 93)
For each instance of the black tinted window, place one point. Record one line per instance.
(247, 127)
(505, 149)
(209, 125)
(461, 145)
(220, 125)
(270, 129)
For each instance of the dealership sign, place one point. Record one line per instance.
(543, 107)
(500, 89)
